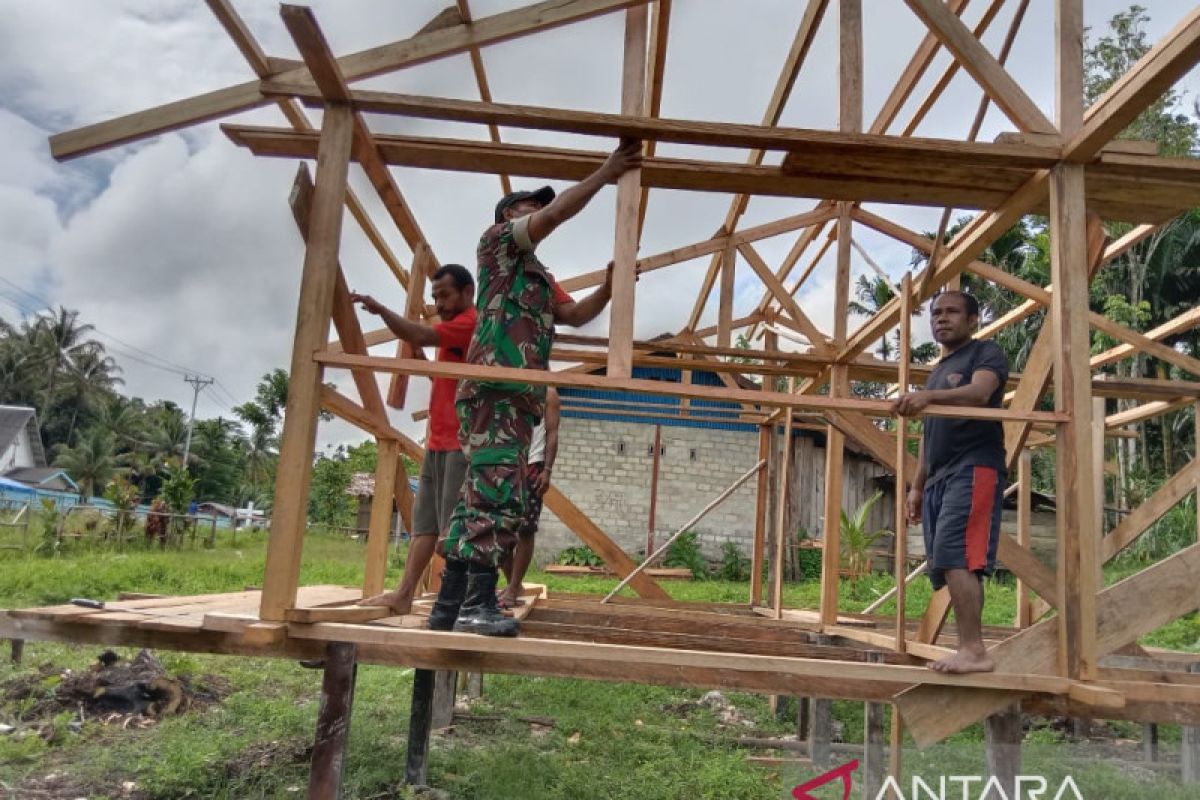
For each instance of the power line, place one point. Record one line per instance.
(126, 350)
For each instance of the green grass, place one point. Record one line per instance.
(609, 740)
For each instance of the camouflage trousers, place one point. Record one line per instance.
(495, 435)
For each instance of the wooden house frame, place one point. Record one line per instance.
(1069, 167)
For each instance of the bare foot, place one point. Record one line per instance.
(964, 661)
(399, 603)
(509, 599)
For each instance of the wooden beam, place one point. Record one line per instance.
(481, 81)
(419, 49)
(1138, 190)
(1137, 89)
(935, 92)
(660, 26)
(725, 295)
(982, 65)
(900, 550)
(786, 302)
(590, 534)
(345, 319)
(911, 76)
(1078, 528)
(379, 530)
(805, 34)
(969, 243)
(312, 331)
(633, 101)
(584, 380)
(932, 713)
(1179, 486)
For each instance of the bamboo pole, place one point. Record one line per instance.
(684, 528)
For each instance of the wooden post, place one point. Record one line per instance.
(873, 753)
(1150, 741)
(420, 717)
(760, 516)
(629, 190)
(414, 309)
(1196, 437)
(1189, 756)
(1024, 531)
(333, 721)
(1078, 529)
(725, 296)
(900, 567)
(474, 685)
(294, 472)
(1078, 539)
(445, 689)
(379, 529)
(1003, 734)
(652, 520)
(781, 513)
(16, 650)
(820, 735)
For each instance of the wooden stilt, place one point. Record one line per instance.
(445, 691)
(16, 650)
(419, 722)
(1003, 734)
(896, 745)
(1189, 755)
(1150, 741)
(874, 765)
(820, 734)
(319, 275)
(474, 685)
(333, 721)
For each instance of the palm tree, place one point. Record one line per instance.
(873, 294)
(91, 377)
(91, 463)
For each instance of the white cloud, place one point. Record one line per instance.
(184, 246)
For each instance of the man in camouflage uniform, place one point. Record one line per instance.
(518, 303)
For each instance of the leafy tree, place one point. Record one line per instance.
(92, 463)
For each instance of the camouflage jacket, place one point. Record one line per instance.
(515, 303)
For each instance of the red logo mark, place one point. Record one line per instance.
(843, 772)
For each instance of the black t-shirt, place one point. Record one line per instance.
(951, 442)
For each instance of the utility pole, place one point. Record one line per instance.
(197, 383)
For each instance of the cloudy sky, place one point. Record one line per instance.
(182, 251)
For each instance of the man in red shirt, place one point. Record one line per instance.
(445, 466)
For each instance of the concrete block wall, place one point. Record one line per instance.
(605, 467)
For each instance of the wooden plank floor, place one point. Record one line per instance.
(684, 644)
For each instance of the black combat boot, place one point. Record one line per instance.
(479, 613)
(450, 596)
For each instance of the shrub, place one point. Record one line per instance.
(734, 565)
(579, 556)
(685, 552)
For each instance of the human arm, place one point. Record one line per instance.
(415, 333)
(976, 394)
(578, 314)
(551, 420)
(916, 491)
(544, 221)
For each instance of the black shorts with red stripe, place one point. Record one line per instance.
(961, 520)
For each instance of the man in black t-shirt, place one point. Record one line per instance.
(959, 487)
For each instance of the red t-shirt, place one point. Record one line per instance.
(560, 296)
(455, 338)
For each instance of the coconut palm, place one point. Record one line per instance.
(91, 463)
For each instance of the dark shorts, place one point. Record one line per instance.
(533, 503)
(442, 476)
(961, 516)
